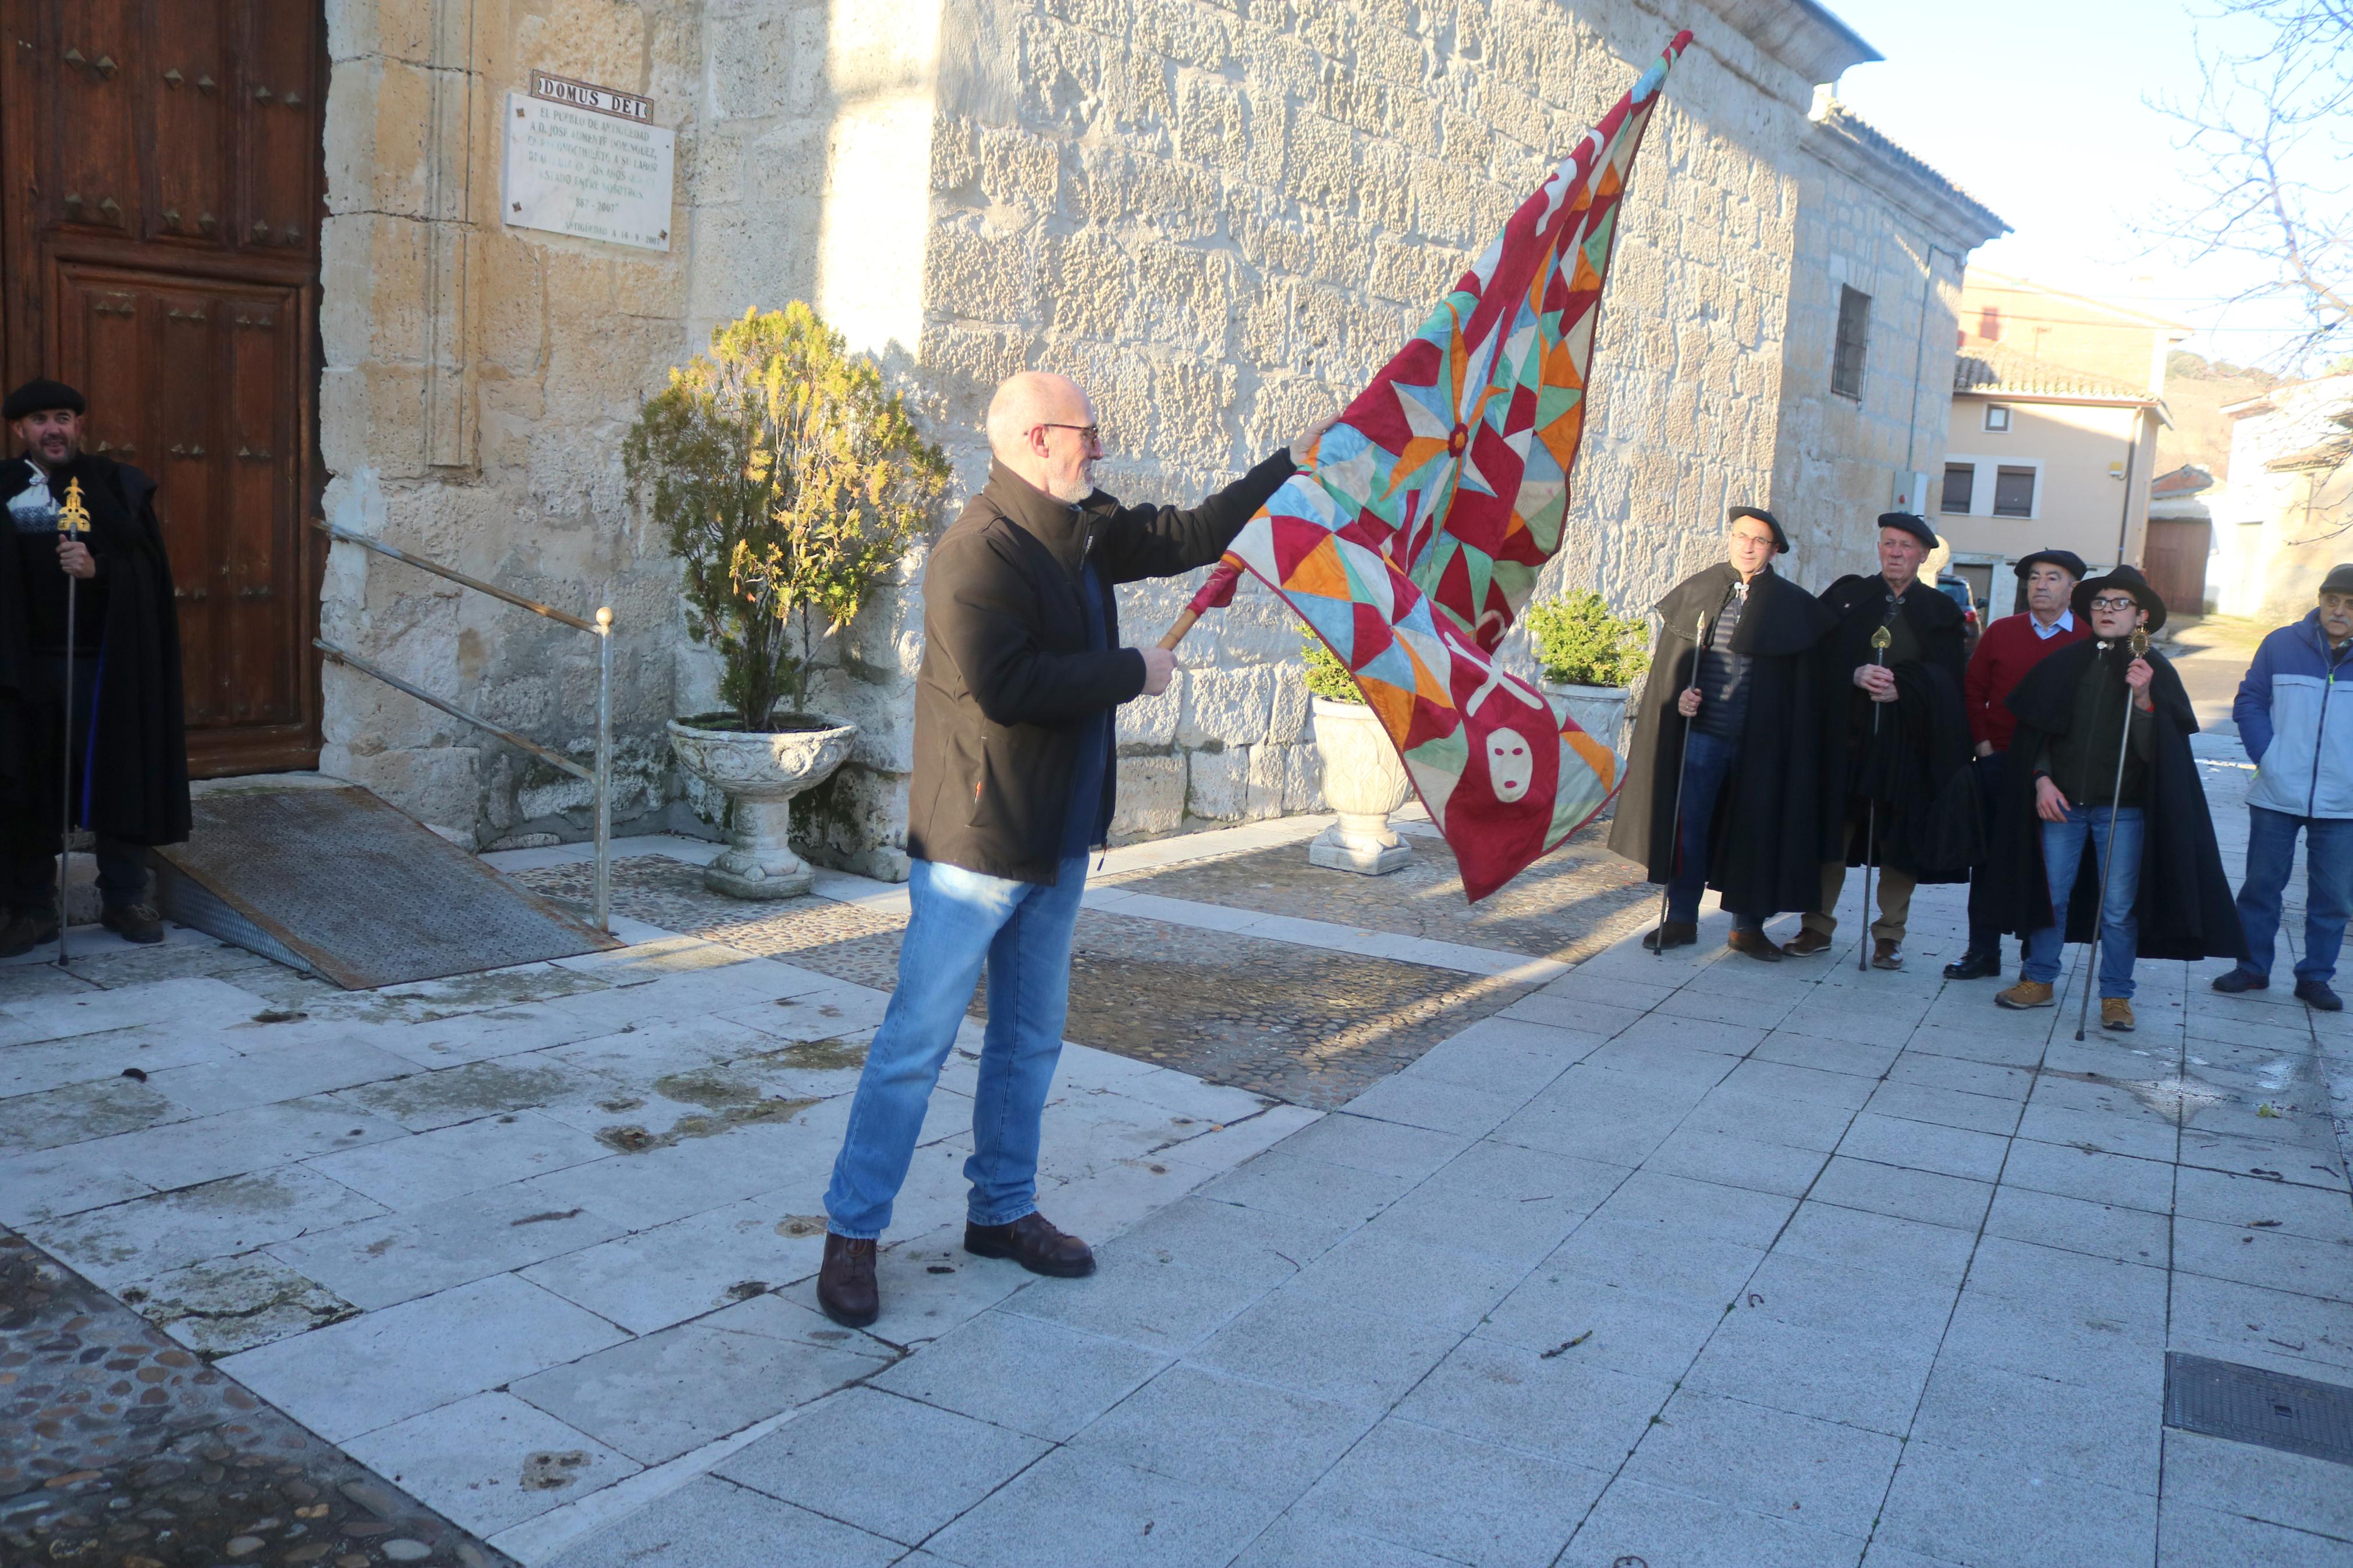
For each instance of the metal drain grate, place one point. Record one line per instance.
(2251, 1405)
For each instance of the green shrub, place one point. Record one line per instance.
(789, 479)
(1326, 677)
(1579, 643)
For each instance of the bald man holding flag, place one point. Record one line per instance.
(1013, 785)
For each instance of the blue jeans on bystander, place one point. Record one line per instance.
(2327, 888)
(2062, 852)
(957, 919)
(1707, 763)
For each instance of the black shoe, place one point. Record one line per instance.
(1974, 965)
(132, 922)
(1034, 1242)
(2239, 980)
(2317, 995)
(1673, 933)
(845, 1282)
(25, 933)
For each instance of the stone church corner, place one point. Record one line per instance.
(1220, 218)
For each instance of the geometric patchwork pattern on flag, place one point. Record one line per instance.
(1412, 536)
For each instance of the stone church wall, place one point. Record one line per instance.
(1220, 218)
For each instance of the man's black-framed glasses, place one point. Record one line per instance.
(1090, 434)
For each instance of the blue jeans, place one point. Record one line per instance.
(2327, 891)
(2062, 851)
(1707, 763)
(959, 918)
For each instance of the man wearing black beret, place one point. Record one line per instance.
(1889, 770)
(2009, 648)
(129, 768)
(1730, 731)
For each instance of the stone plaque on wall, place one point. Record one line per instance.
(588, 161)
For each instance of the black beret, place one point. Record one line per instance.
(38, 396)
(1781, 539)
(2067, 560)
(1918, 527)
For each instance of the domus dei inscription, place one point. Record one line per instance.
(588, 161)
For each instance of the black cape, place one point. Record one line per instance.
(1920, 745)
(2185, 904)
(138, 784)
(1773, 817)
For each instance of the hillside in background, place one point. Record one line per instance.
(2196, 391)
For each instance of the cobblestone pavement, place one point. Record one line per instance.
(121, 1448)
(1568, 905)
(1290, 1022)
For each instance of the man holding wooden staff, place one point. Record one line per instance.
(1014, 778)
(2102, 749)
(1724, 777)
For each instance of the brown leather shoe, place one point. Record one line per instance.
(132, 922)
(2025, 993)
(1886, 954)
(1754, 943)
(2117, 1013)
(1806, 943)
(1671, 933)
(845, 1283)
(1034, 1242)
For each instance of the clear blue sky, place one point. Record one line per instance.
(2035, 106)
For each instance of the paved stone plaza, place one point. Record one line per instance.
(1677, 1261)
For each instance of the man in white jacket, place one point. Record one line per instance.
(2301, 744)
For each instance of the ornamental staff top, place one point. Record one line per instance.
(73, 517)
(1881, 638)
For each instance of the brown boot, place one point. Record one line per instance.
(845, 1284)
(1754, 943)
(1034, 1242)
(2117, 1013)
(2025, 993)
(1806, 943)
(1886, 954)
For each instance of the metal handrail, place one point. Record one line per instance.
(600, 778)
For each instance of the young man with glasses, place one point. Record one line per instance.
(1730, 729)
(1013, 783)
(2144, 824)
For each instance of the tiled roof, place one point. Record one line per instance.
(2330, 454)
(1831, 111)
(1991, 372)
(2185, 481)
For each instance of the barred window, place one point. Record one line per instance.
(1853, 336)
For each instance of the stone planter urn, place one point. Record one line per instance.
(1600, 710)
(1364, 781)
(760, 771)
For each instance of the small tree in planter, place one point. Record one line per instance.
(1364, 780)
(789, 481)
(1590, 657)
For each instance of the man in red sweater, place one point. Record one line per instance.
(2009, 648)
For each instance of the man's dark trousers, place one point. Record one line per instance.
(1707, 763)
(1985, 923)
(28, 848)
